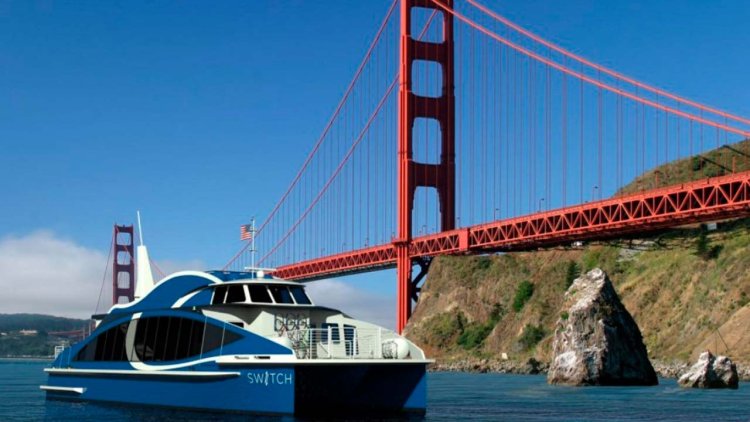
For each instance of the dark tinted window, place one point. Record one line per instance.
(190, 339)
(281, 294)
(235, 294)
(219, 294)
(350, 340)
(173, 338)
(215, 336)
(299, 295)
(107, 346)
(145, 338)
(259, 293)
(334, 332)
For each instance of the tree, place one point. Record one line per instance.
(523, 293)
(572, 273)
(702, 248)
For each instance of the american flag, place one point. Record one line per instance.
(246, 232)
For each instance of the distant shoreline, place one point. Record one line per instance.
(28, 358)
(669, 370)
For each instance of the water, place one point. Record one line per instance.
(451, 397)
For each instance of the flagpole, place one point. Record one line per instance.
(252, 245)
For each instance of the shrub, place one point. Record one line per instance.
(564, 316)
(697, 163)
(701, 244)
(483, 263)
(444, 327)
(497, 313)
(532, 334)
(743, 299)
(591, 260)
(572, 273)
(523, 293)
(713, 171)
(474, 334)
(703, 247)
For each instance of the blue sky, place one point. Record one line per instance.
(200, 113)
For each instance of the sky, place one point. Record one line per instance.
(200, 113)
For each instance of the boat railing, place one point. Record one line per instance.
(355, 343)
(58, 349)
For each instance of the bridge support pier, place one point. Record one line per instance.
(424, 266)
(411, 174)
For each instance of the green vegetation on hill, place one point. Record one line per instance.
(523, 294)
(35, 346)
(718, 162)
(13, 343)
(472, 335)
(16, 322)
(680, 285)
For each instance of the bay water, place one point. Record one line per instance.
(451, 397)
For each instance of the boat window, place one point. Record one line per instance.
(219, 294)
(162, 331)
(299, 295)
(173, 338)
(107, 346)
(281, 294)
(259, 293)
(350, 339)
(235, 294)
(214, 337)
(189, 339)
(174, 329)
(335, 337)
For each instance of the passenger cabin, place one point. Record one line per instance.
(278, 310)
(282, 311)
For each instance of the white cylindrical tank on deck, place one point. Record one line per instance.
(397, 348)
(402, 348)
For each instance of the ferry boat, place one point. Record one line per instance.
(239, 342)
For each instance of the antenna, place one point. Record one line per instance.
(140, 230)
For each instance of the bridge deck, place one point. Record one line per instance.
(705, 200)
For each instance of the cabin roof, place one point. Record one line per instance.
(241, 275)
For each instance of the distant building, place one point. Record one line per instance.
(3, 334)
(29, 332)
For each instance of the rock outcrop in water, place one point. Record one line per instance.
(597, 342)
(711, 372)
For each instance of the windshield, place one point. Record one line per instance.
(281, 294)
(299, 295)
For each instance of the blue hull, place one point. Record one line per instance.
(302, 389)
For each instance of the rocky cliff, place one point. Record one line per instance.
(688, 289)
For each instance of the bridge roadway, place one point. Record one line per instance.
(694, 202)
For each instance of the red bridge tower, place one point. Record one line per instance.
(411, 174)
(123, 265)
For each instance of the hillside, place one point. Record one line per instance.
(718, 162)
(681, 286)
(16, 322)
(29, 335)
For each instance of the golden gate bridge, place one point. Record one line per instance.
(463, 133)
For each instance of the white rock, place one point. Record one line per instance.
(597, 342)
(711, 372)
